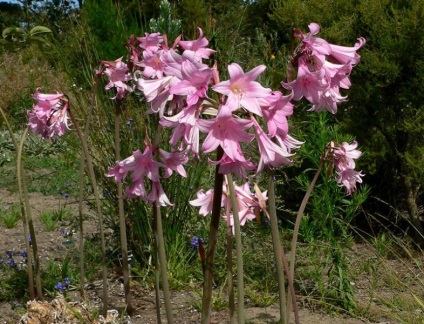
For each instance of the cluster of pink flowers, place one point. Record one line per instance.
(323, 69)
(343, 156)
(176, 83)
(248, 203)
(49, 116)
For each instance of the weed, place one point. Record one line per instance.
(11, 216)
(49, 219)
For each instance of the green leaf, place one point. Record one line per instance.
(39, 30)
(11, 31)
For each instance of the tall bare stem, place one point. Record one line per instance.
(239, 250)
(99, 210)
(299, 216)
(122, 223)
(23, 212)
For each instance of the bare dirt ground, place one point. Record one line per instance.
(51, 247)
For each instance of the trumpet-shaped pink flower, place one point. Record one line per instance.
(118, 74)
(226, 131)
(174, 161)
(204, 201)
(49, 116)
(151, 42)
(239, 167)
(196, 50)
(276, 111)
(242, 89)
(194, 84)
(348, 178)
(270, 153)
(343, 156)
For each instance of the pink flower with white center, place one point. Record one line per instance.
(194, 84)
(118, 74)
(242, 89)
(137, 189)
(151, 42)
(49, 116)
(348, 178)
(174, 161)
(226, 131)
(277, 108)
(196, 50)
(270, 153)
(204, 201)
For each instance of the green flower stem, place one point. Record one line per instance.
(122, 223)
(157, 270)
(212, 241)
(239, 251)
(81, 191)
(160, 243)
(21, 175)
(162, 260)
(230, 285)
(99, 210)
(277, 248)
(23, 213)
(298, 219)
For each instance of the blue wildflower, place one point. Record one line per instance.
(11, 263)
(195, 242)
(23, 254)
(67, 281)
(60, 286)
(9, 254)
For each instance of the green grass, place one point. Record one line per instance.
(10, 217)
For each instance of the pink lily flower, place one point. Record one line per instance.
(196, 50)
(194, 84)
(151, 42)
(237, 167)
(118, 74)
(204, 201)
(270, 153)
(226, 131)
(345, 155)
(49, 116)
(344, 55)
(174, 161)
(242, 89)
(276, 111)
(158, 195)
(348, 178)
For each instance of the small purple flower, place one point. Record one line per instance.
(30, 239)
(9, 254)
(195, 242)
(66, 195)
(11, 263)
(67, 185)
(23, 254)
(67, 281)
(64, 232)
(129, 121)
(1, 261)
(60, 286)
